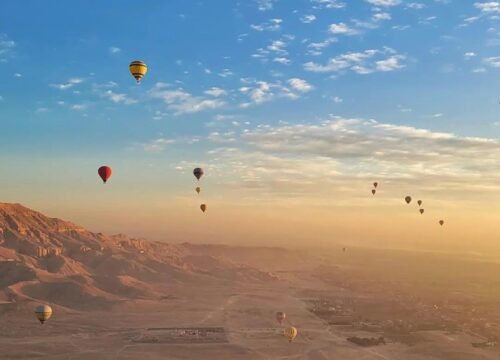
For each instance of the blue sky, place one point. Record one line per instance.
(249, 90)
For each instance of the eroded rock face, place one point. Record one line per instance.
(39, 252)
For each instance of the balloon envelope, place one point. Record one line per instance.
(280, 316)
(43, 313)
(138, 69)
(374, 191)
(408, 199)
(441, 222)
(105, 173)
(375, 184)
(419, 202)
(421, 211)
(198, 190)
(290, 333)
(203, 207)
(198, 172)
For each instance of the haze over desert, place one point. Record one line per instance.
(256, 179)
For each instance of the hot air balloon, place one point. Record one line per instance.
(375, 184)
(408, 199)
(203, 207)
(198, 190)
(138, 69)
(419, 202)
(421, 211)
(344, 249)
(374, 191)
(280, 316)
(290, 333)
(43, 313)
(441, 222)
(105, 173)
(198, 172)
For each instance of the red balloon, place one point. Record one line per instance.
(105, 173)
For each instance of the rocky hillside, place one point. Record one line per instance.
(48, 259)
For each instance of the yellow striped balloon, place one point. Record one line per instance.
(138, 69)
(290, 333)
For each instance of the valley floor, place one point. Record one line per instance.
(142, 329)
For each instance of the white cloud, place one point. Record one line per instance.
(381, 16)
(265, 5)
(349, 153)
(390, 64)
(307, 19)
(114, 50)
(384, 2)
(341, 29)
(119, 98)
(71, 83)
(493, 61)
(79, 107)
(416, 6)
(300, 85)
(259, 92)
(226, 73)
(365, 62)
(488, 7)
(316, 48)
(6, 47)
(182, 102)
(156, 145)
(469, 55)
(271, 25)
(337, 99)
(328, 4)
(401, 27)
(215, 91)
(18, 75)
(276, 47)
(282, 60)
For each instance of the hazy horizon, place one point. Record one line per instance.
(293, 110)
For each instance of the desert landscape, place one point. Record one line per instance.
(116, 297)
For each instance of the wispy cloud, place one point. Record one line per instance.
(365, 62)
(307, 19)
(384, 2)
(350, 152)
(119, 98)
(271, 25)
(260, 92)
(265, 5)
(114, 50)
(182, 102)
(155, 145)
(6, 47)
(341, 29)
(78, 107)
(327, 4)
(68, 85)
(215, 91)
(300, 85)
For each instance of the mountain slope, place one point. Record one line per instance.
(48, 259)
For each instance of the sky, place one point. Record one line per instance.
(293, 108)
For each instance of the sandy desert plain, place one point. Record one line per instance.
(119, 298)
